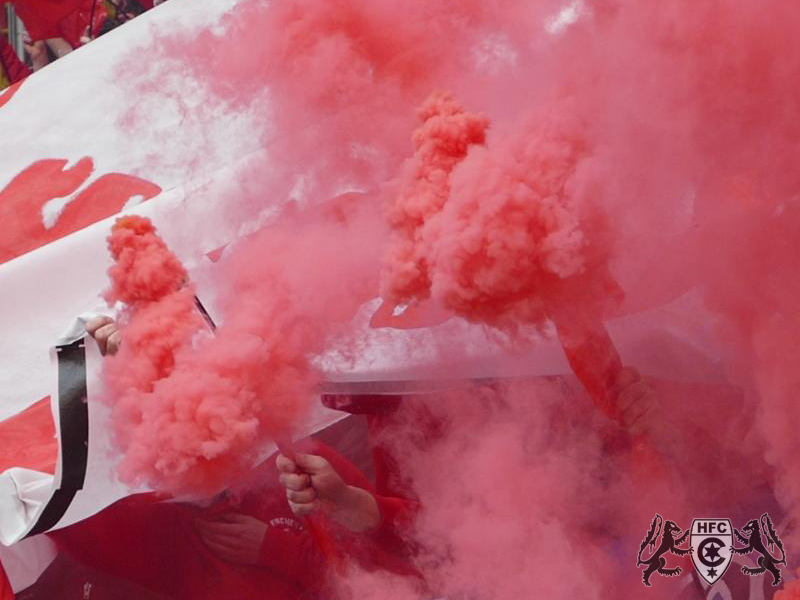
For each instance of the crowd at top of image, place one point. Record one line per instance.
(34, 33)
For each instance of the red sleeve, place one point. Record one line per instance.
(397, 513)
(290, 546)
(15, 68)
(156, 546)
(34, 15)
(386, 547)
(290, 550)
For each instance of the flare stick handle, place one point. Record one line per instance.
(594, 360)
(596, 363)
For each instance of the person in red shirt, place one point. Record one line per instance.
(55, 19)
(67, 24)
(256, 540)
(243, 545)
(384, 510)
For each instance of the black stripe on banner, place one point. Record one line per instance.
(73, 411)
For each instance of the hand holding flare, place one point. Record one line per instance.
(312, 484)
(489, 228)
(192, 412)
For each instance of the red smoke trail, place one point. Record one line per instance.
(190, 414)
(193, 411)
(509, 233)
(659, 139)
(173, 441)
(144, 269)
(494, 234)
(441, 142)
(790, 592)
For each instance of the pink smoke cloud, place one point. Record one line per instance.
(194, 410)
(653, 142)
(441, 143)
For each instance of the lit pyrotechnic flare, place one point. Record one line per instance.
(191, 415)
(192, 412)
(492, 232)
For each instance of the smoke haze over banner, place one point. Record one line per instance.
(662, 138)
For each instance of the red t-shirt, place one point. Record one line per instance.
(68, 19)
(14, 68)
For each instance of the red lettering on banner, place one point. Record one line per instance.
(22, 227)
(6, 96)
(28, 439)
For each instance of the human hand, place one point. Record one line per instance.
(312, 484)
(34, 49)
(105, 332)
(309, 481)
(637, 403)
(59, 46)
(233, 537)
(37, 51)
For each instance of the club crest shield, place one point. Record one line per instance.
(711, 542)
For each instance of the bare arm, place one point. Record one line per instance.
(38, 53)
(59, 46)
(313, 484)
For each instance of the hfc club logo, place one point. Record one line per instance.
(711, 540)
(712, 544)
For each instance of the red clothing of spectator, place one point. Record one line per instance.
(6, 593)
(392, 491)
(45, 19)
(15, 70)
(383, 548)
(381, 414)
(156, 546)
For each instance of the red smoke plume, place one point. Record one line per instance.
(441, 143)
(144, 269)
(655, 142)
(791, 592)
(492, 230)
(194, 410)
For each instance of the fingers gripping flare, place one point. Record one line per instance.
(309, 481)
(106, 333)
(297, 474)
